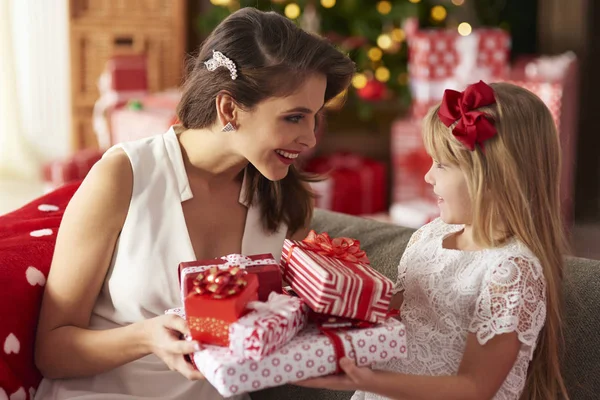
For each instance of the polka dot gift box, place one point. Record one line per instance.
(308, 355)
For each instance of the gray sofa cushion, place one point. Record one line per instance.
(385, 243)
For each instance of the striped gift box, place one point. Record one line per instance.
(335, 286)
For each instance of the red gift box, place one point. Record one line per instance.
(58, 172)
(263, 265)
(333, 277)
(443, 59)
(358, 184)
(410, 162)
(265, 328)
(209, 317)
(156, 115)
(555, 81)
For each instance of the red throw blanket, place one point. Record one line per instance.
(27, 239)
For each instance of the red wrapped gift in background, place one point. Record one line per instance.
(442, 59)
(145, 116)
(263, 266)
(410, 161)
(58, 172)
(358, 184)
(555, 81)
(216, 299)
(333, 277)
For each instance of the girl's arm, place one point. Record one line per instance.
(482, 371)
(65, 347)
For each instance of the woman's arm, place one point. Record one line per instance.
(482, 371)
(65, 347)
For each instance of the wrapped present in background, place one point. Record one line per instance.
(333, 277)
(264, 266)
(267, 326)
(410, 162)
(442, 59)
(414, 203)
(69, 169)
(414, 214)
(554, 79)
(144, 116)
(357, 185)
(310, 354)
(125, 77)
(217, 298)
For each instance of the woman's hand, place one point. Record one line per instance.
(354, 378)
(164, 335)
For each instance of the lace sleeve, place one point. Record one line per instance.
(512, 299)
(399, 286)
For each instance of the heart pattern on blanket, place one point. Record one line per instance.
(12, 344)
(41, 232)
(48, 207)
(35, 276)
(19, 395)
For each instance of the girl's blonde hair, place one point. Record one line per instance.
(514, 184)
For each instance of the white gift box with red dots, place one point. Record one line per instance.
(310, 354)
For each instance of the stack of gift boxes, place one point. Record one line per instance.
(255, 335)
(443, 59)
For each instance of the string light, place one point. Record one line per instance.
(328, 3)
(375, 54)
(398, 34)
(438, 13)
(359, 81)
(458, 2)
(292, 11)
(384, 7)
(415, 1)
(382, 74)
(464, 29)
(384, 41)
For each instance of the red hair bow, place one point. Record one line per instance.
(474, 127)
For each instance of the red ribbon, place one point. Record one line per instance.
(338, 345)
(474, 127)
(342, 248)
(219, 283)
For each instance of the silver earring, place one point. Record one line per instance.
(228, 128)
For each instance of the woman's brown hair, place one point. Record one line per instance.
(273, 57)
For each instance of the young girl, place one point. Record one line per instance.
(479, 288)
(222, 182)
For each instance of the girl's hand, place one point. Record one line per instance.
(354, 378)
(164, 335)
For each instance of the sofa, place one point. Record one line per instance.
(385, 243)
(28, 234)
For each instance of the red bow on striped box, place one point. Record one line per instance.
(333, 277)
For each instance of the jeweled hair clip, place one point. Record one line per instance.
(220, 60)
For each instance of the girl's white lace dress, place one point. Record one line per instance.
(449, 293)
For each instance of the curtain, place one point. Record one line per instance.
(34, 86)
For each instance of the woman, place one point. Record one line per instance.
(221, 182)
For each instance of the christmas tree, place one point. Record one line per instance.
(373, 33)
